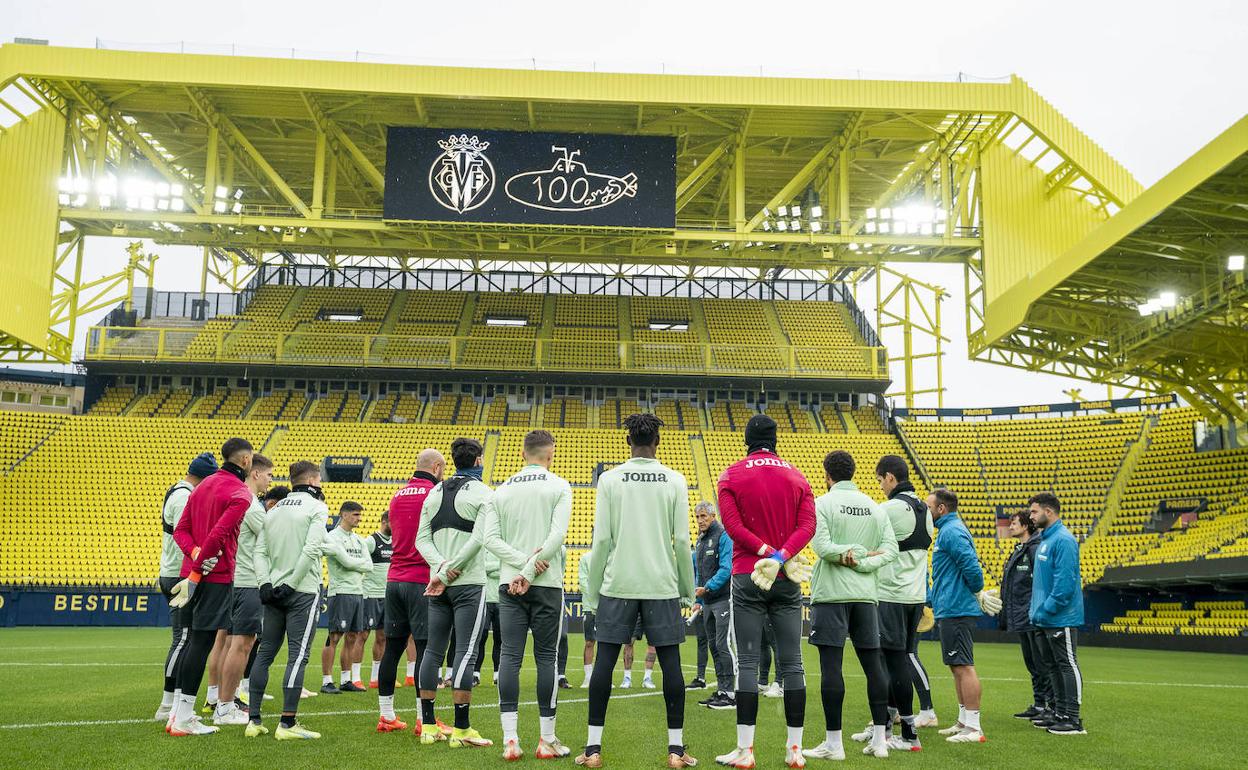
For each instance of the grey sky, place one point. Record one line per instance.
(1150, 81)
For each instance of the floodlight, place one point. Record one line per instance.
(1235, 262)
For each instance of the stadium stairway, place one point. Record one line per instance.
(851, 425)
(706, 479)
(1113, 497)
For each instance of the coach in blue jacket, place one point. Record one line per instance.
(958, 599)
(712, 571)
(1057, 610)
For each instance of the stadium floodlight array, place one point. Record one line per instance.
(908, 218)
(1235, 262)
(789, 218)
(137, 193)
(1163, 301)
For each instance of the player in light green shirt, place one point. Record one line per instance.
(288, 568)
(582, 581)
(903, 591)
(853, 539)
(526, 521)
(380, 549)
(247, 612)
(640, 570)
(346, 555)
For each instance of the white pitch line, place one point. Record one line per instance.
(350, 712)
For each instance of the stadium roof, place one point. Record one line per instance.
(1173, 251)
(745, 144)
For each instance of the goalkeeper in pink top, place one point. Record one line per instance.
(769, 512)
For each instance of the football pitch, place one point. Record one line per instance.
(84, 697)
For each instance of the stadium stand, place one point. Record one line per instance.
(1219, 618)
(21, 432)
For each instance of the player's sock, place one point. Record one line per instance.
(411, 670)
(907, 728)
(185, 708)
(244, 686)
(386, 704)
(547, 728)
(166, 699)
(212, 694)
(745, 736)
(288, 721)
(972, 719)
(793, 736)
(628, 678)
(355, 672)
(461, 716)
(589, 671)
(426, 711)
(832, 739)
(961, 713)
(510, 721)
(676, 741)
(327, 679)
(877, 734)
(593, 744)
(344, 677)
(376, 671)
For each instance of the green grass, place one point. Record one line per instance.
(80, 697)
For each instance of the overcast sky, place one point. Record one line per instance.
(1150, 81)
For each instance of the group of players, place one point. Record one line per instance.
(456, 558)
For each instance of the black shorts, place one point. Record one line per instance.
(166, 589)
(407, 611)
(638, 631)
(346, 613)
(831, 624)
(899, 626)
(374, 613)
(617, 620)
(957, 648)
(247, 613)
(589, 627)
(210, 608)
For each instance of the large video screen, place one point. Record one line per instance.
(519, 177)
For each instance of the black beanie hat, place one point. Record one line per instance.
(760, 433)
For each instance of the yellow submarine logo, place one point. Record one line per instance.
(569, 186)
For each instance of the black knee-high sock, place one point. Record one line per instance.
(600, 687)
(831, 685)
(563, 655)
(747, 707)
(191, 670)
(673, 685)
(389, 668)
(251, 659)
(794, 706)
(877, 683)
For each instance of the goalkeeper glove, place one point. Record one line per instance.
(182, 593)
(767, 570)
(989, 601)
(927, 622)
(798, 569)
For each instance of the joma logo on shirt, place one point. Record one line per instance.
(411, 491)
(652, 477)
(853, 510)
(528, 477)
(767, 461)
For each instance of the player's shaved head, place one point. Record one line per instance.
(430, 461)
